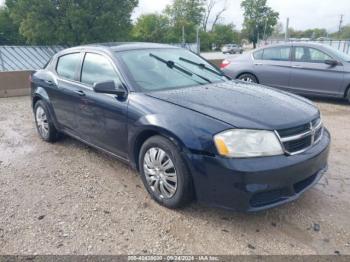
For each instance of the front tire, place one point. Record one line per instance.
(44, 124)
(164, 173)
(248, 78)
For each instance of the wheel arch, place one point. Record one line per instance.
(149, 132)
(40, 94)
(347, 92)
(144, 135)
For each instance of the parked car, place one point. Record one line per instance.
(190, 131)
(232, 49)
(302, 68)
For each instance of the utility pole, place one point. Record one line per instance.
(340, 24)
(286, 36)
(183, 35)
(198, 42)
(264, 37)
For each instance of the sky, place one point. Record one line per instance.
(303, 14)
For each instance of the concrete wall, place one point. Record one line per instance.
(14, 83)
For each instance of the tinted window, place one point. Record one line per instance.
(311, 55)
(97, 68)
(277, 53)
(67, 65)
(258, 54)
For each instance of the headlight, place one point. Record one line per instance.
(241, 143)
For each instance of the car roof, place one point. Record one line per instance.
(294, 43)
(118, 46)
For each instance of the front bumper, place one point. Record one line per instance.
(258, 183)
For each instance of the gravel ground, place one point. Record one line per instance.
(67, 198)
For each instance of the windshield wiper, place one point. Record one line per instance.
(203, 66)
(172, 64)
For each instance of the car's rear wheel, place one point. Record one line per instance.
(248, 78)
(44, 125)
(164, 173)
(348, 95)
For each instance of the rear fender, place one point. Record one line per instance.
(40, 93)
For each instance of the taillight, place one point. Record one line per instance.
(224, 63)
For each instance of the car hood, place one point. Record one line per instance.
(243, 105)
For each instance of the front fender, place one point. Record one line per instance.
(150, 125)
(187, 132)
(190, 130)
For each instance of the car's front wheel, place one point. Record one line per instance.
(44, 125)
(248, 78)
(164, 173)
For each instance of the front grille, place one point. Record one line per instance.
(298, 139)
(294, 130)
(298, 145)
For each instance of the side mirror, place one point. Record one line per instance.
(109, 87)
(331, 62)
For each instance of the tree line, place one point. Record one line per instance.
(75, 22)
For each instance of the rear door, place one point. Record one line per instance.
(65, 96)
(310, 74)
(272, 66)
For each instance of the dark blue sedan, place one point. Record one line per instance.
(190, 131)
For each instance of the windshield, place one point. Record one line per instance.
(148, 69)
(340, 54)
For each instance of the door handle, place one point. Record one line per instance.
(80, 93)
(297, 66)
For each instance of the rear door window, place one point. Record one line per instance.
(67, 65)
(277, 53)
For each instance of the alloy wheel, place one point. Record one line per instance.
(247, 79)
(42, 122)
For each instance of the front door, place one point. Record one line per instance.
(311, 75)
(102, 118)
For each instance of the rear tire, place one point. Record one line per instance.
(248, 78)
(44, 124)
(348, 95)
(164, 173)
